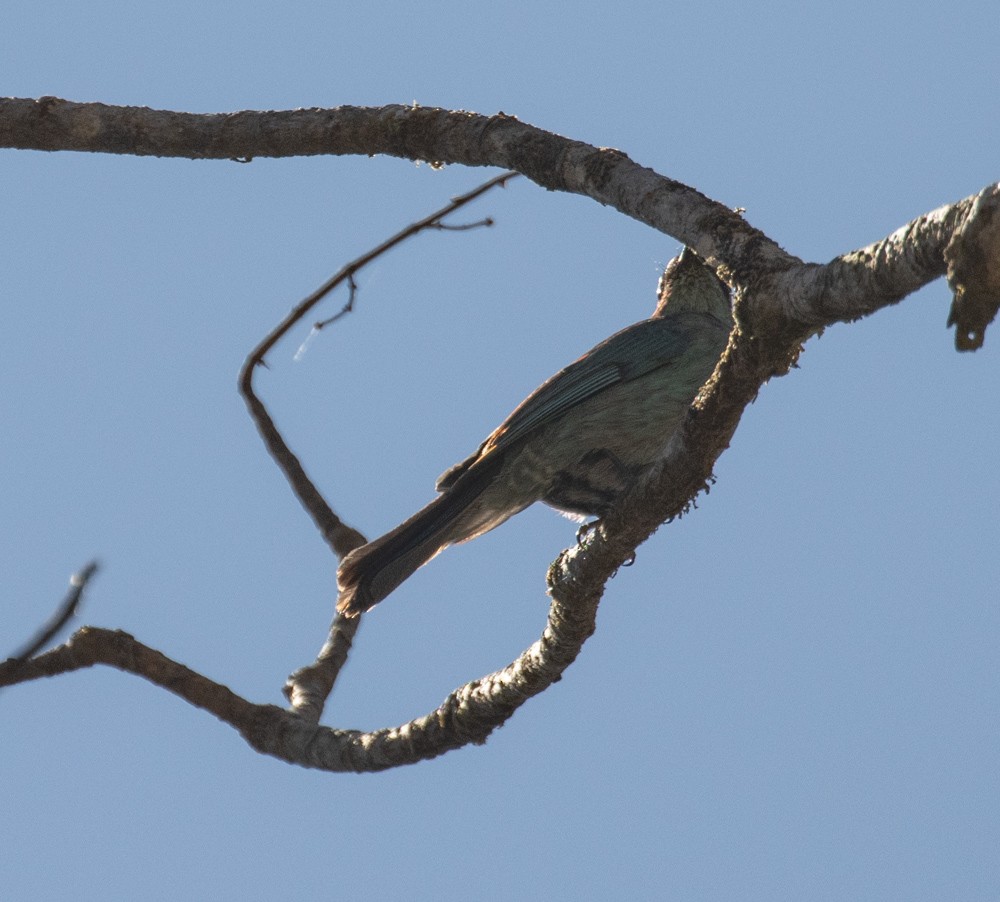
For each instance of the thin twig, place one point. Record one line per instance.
(340, 537)
(464, 226)
(304, 306)
(308, 688)
(61, 616)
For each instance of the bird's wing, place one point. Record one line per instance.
(625, 356)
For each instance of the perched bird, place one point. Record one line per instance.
(576, 443)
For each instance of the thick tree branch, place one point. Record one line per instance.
(849, 287)
(858, 283)
(412, 132)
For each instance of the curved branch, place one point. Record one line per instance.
(467, 715)
(412, 132)
(797, 295)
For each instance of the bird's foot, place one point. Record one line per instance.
(586, 529)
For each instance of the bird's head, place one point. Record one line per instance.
(689, 283)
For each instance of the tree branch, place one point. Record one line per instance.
(411, 132)
(780, 303)
(63, 614)
(851, 286)
(467, 715)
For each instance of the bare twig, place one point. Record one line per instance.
(62, 615)
(308, 688)
(339, 537)
(464, 226)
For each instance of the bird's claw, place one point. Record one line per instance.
(585, 530)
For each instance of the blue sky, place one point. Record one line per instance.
(791, 695)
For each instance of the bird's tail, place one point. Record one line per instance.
(369, 573)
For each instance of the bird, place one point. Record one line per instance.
(576, 443)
